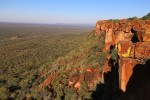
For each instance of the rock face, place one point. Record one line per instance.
(126, 49)
(132, 41)
(125, 71)
(106, 69)
(142, 50)
(123, 30)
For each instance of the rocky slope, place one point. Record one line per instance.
(131, 41)
(78, 72)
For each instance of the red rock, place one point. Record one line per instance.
(123, 21)
(122, 36)
(107, 47)
(142, 50)
(103, 26)
(77, 85)
(126, 49)
(81, 79)
(91, 76)
(119, 36)
(116, 26)
(89, 70)
(140, 32)
(106, 69)
(110, 26)
(147, 30)
(126, 66)
(48, 80)
(128, 36)
(97, 26)
(146, 38)
(108, 39)
(126, 28)
(147, 22)
(129, 23)
(136, 23)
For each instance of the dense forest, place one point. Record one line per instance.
(28, 50)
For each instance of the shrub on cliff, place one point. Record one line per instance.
(114, 20)
(84, 92)
(146, 17)
(132, 18)
(114, 56)
(70, 93)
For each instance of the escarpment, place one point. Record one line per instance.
(112, 63)
(131, 41)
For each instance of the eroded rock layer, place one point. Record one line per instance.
(132, 41)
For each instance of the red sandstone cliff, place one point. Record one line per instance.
(132, 41)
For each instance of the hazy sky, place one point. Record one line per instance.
(70, 11)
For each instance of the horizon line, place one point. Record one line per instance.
(47, 23)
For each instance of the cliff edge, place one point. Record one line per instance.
(128, 42)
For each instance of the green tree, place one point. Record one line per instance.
(24, 84)
(13, 81)
(114, 56)
(74, 96)
(132, 18)
(146, 17)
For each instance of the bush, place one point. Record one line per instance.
(24, 84)
(132, 18)
(13, 81)
(70, 93)
(114, 55)
(83, 89)
(146, 17)
(4, 93)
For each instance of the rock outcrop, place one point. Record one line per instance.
(47, 81)
(132, 41)
(91, 76)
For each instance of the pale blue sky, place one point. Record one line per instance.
(70, 11)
